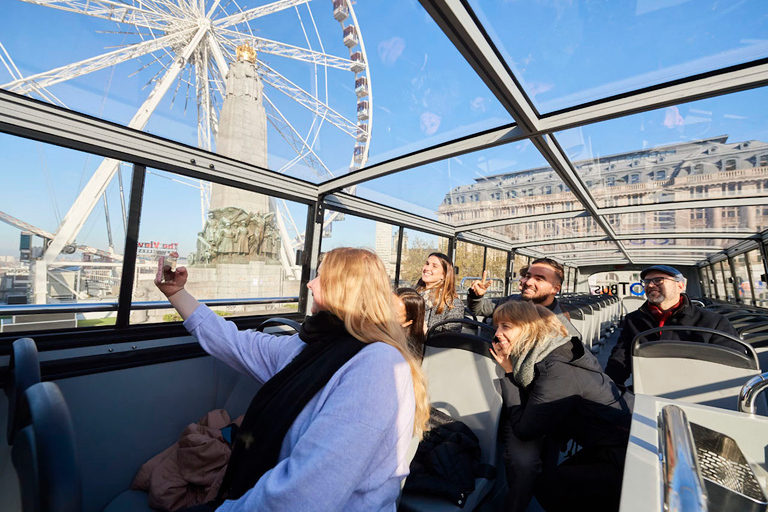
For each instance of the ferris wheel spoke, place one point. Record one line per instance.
(263, 45)
(203, 100)
(295, 140)
(110, 10)
(305, 99)
(257, 12)
(54, 76)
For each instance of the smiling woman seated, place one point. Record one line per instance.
(564, 396)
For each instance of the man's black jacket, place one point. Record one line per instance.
(619, 365)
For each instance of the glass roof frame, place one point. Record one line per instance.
(462, 27)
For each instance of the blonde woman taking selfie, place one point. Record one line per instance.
(340, 401)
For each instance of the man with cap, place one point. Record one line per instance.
(666, 304)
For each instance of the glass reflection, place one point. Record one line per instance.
(284, 85)
(709, 149)
(568, 53)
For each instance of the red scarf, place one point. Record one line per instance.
(660, 315)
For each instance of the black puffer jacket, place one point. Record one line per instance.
(619, 365)
(571, 398)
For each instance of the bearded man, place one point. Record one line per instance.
(666, 304)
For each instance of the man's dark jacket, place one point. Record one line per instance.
(571, 398)
(619, 365)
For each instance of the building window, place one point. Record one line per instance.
(547, 189)
(661, 174)
(698, 169)
(634, 178)
(730, 165)
(610, 181)
(763, 161)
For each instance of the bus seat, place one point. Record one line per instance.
(468, 326)
(279, 326)
(694, 372)
(631, 304)
(464, 382)
(44, 454)
(24, 367)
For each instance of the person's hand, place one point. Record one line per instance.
(500, 350)
(480, 287)
(168, 281)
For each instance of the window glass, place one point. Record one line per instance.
(742, 278)
(717, 278)
(417, 246)
(567, 53)
(521, 261)
(757, 271)
(707, 149)
(469, 260)
(63, 233)
(350, 231)
(240, 245)
(304, 87)
(496, 265)
(705, 284)
(725, 270)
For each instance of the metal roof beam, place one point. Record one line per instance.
(459, 23)
(706, 85)
(572, 214)
(41, 121)
(714, 235)
(686, 205)
(458, 147)
(360, 207)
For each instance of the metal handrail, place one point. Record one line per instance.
(749, 392)
(683, 484)
(92, 307)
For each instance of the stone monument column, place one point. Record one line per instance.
(242, 130)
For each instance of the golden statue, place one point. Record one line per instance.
(246, 53)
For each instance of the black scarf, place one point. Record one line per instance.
(281, 399)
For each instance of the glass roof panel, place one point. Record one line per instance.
(299, 100)
(574, 248)
(568, 53)
(502, 182)
(710, 149)
(530, 234)
(741, 221)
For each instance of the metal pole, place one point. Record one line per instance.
(399, 255)
(131, 247)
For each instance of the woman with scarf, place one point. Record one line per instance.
(564, 396)
(340, 401)
(438, 287)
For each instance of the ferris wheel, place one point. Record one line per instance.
(190, 44)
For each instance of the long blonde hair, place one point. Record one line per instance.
(535, 322)
(356, 289)
(445, 293)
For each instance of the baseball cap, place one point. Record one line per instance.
(670, 271)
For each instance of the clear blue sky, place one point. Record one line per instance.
(424, 94)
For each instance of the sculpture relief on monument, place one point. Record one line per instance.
(233, 235)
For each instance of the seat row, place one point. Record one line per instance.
(596, 317)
